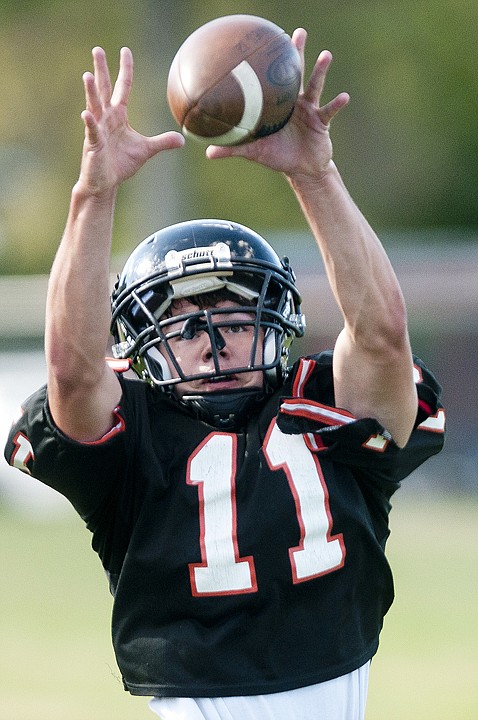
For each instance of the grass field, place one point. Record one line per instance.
(56, 661)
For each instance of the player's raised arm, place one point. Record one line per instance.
(373, 370)
(82, 390)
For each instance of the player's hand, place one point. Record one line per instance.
(112, 150)
(303, 146)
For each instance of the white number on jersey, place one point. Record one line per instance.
(22, 454)
(212, 468)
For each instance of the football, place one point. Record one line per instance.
(233, 80)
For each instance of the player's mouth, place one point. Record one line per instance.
(220, 381)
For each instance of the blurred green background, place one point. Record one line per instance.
(407, 144)
(56, 660)
(407, 147)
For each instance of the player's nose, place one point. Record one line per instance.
(213, 345)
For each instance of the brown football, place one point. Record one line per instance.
(233, 80)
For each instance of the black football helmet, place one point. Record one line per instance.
(190, 259)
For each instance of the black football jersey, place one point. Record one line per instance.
(240, 562)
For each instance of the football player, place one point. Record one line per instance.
(239, 506)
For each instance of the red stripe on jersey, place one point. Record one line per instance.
(314, 442)
(115, 430)
(304, 371)
(316, 411)
(425, 407)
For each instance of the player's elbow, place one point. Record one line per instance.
(383, 333)
(71, 372)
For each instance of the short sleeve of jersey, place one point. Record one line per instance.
(85, 473)
(362, 444)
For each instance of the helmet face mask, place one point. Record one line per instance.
(202, 262)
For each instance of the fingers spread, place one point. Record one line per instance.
(102, 75)
(215, 152)
(165, 141)
(315, 87)
(124, 81)
(328, 111)
(93, 102)
(299, 38)
(316, 82)
(91, 128)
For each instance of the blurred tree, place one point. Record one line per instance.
(44, 49)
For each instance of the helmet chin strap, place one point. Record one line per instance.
(227, 410)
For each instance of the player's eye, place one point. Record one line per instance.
(178, 338)
(235, 329)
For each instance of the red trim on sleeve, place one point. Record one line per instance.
(115, 430)
(304, 371)
(314, 442)
(315, 411)
(425, 407)
(119, 365)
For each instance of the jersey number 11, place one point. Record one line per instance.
(212, 468)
